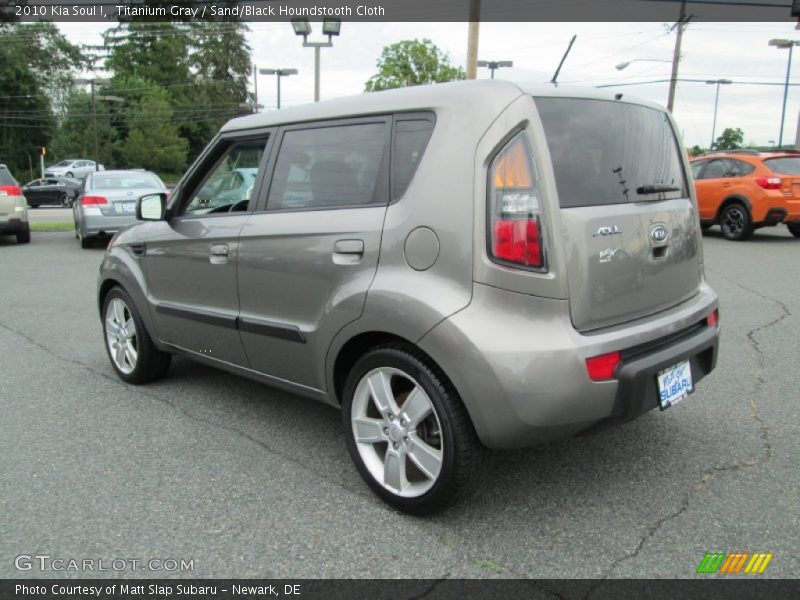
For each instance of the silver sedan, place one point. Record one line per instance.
(107, 202)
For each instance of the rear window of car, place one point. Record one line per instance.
(120, 181)
(789, 165)
(607, 152)
(6, 178)
(329, 167)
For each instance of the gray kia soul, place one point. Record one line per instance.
(458, 267)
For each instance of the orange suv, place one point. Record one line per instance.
(742, 190)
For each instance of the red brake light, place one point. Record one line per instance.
(93, 200)
(713, 318)
(10, 190)
(769, 183)
(515, 232)
(602, 367)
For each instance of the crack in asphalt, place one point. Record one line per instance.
(705, 477)
(149, 394)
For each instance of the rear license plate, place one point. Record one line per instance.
(674, 384)
(129, 207)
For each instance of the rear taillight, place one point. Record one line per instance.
(10, 190)
(515, 228)
(713, 319)
(93, 200)
(769, 183)
(602, 367)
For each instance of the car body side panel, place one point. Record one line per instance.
(405, 301)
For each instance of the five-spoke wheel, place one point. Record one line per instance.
(408, 431)
(134, 356)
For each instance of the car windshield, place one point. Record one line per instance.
(787, 165)
(124, 181)
(611, 152)
(64, 163)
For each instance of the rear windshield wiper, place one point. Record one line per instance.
(656, 189)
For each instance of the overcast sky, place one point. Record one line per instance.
(736, 51)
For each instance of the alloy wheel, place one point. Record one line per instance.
(121, 336)
(397, 432)
(733, 221)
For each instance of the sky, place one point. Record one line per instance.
(736, 51)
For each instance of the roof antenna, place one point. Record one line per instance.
(554, 80)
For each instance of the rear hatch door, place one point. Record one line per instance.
(628, 222)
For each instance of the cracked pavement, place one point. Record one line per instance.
(253, 482)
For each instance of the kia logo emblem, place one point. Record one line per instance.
(658, 233)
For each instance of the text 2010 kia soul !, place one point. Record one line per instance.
(459, 267)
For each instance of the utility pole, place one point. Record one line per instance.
(676, 57)
(472, 40)
(94, 127)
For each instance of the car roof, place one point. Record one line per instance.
(459, 96)
(123, 172)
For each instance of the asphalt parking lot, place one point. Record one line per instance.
(252, 482)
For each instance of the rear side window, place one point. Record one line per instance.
(786, 166)
(329, 167)
(607, 152)
(411, 137)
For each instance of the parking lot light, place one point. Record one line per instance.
(716, 82)
(782, 45)
(330, 27)
(279, 73)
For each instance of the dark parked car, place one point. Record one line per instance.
(51, 190)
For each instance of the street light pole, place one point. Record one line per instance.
(493, 65)
(718, 82)
(330, 27)
(278, 73)
(790, 44)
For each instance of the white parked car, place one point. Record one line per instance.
(75, 168)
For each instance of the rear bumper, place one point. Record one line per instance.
(637, 392)
(107, 225)
(520, 366)
(13, 227)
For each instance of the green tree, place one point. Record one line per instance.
(696, 150)
(731, 139)
(412, 62)
(36, 65)
(153, 141)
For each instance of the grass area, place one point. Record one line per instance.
(55, 226)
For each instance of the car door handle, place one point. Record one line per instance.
(349, 247)
(219, 254)
(348, 252)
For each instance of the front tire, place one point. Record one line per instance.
(794, 229)
(735, 222)
(131, 350)
(408, 432)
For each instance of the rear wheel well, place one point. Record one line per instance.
(359, 345)
(733, 200)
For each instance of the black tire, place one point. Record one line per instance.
(735, 222)
(71, 175)
(463, 457)
(151, 363)
(86, 242)
(794, 229)
(705, 226)
(24, 236)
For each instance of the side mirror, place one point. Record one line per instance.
(151, 207)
